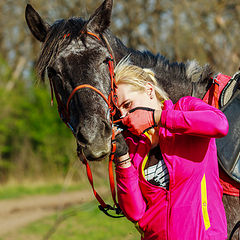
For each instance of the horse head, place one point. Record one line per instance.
(74, 53)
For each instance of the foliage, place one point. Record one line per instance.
(33, 140)
(180, 30)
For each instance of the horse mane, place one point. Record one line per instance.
(160, 64)
(168, 74)
(61, 33)
(174, 77)
(191, 71)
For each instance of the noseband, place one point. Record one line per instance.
(111, 102)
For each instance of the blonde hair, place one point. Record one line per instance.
(137, 77)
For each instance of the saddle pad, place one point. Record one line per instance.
(229, 146)
(213, 94)
(229, 89)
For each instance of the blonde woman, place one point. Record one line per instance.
(166, 166)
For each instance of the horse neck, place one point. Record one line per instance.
(118, 48)
(174, 83)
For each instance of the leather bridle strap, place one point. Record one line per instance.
(111, 102)
(84, 160)
(103, 206)
(85, 86)
(90, 178)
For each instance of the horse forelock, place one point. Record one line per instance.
(60, 35)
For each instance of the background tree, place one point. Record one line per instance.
(30, 130)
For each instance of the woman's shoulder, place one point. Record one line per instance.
(168, 104)
(188, 101)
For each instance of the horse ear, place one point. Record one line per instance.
(101, 19)
(36, 24)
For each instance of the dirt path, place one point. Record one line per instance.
(17, 213)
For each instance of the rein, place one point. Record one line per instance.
(111, 102)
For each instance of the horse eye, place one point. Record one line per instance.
(107, 59)
(51, 72)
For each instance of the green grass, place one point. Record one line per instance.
(17, 191)
(55, 185)
(83, 222)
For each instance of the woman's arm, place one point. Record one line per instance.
(195, 117)
(129, 194)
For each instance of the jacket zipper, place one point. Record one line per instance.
(168, 192)
(168, 214)
(168, 196)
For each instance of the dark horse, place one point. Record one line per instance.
(71, 57)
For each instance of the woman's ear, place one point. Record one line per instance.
(150, 91)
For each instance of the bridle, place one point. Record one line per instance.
(111, 102)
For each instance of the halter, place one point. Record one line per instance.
(111, 102)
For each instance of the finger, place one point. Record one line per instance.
(135, 131)
(126, 120)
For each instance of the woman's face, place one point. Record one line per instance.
(129, 98)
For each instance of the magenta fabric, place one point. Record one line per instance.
(187, 142)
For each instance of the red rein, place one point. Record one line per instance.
(111, 102)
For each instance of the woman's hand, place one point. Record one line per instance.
(122, 158)
(141, 119)
(121, 145)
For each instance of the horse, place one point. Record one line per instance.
(76, 52)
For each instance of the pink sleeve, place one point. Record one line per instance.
(129, 193)
(195, 118)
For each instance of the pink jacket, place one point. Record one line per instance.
(192, 209)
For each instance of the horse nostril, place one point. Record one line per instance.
(81, 139)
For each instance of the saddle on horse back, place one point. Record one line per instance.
(224, 94)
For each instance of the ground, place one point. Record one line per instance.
(17, 213)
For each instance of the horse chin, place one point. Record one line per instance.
(83, 152)
(101, 158)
